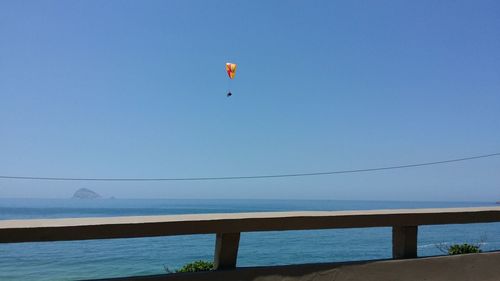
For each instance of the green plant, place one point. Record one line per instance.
(196, 266)
(459, 249)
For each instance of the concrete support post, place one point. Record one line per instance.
(404, 242)
(226, 250)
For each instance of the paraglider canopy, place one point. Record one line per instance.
(231, 69)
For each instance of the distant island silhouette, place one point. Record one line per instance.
(85, 193)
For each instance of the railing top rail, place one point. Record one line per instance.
(34, 230)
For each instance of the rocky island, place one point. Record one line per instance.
(85, 193)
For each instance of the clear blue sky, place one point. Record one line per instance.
(137, 89)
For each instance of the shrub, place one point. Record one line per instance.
(459, 249)
(196, 266)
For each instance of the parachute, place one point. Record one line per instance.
(231, 69)
(231, 72)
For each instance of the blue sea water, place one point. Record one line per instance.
(142, 256)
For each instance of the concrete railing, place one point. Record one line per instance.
(228, 227)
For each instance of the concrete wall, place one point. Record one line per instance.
(228, 227)
(472, 267)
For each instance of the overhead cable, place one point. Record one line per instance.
(364, 170)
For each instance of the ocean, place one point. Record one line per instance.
(143, 256)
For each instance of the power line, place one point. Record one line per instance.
(256, 176)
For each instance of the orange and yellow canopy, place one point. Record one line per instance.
(231, 69)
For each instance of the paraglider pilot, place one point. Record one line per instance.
(231, 71)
